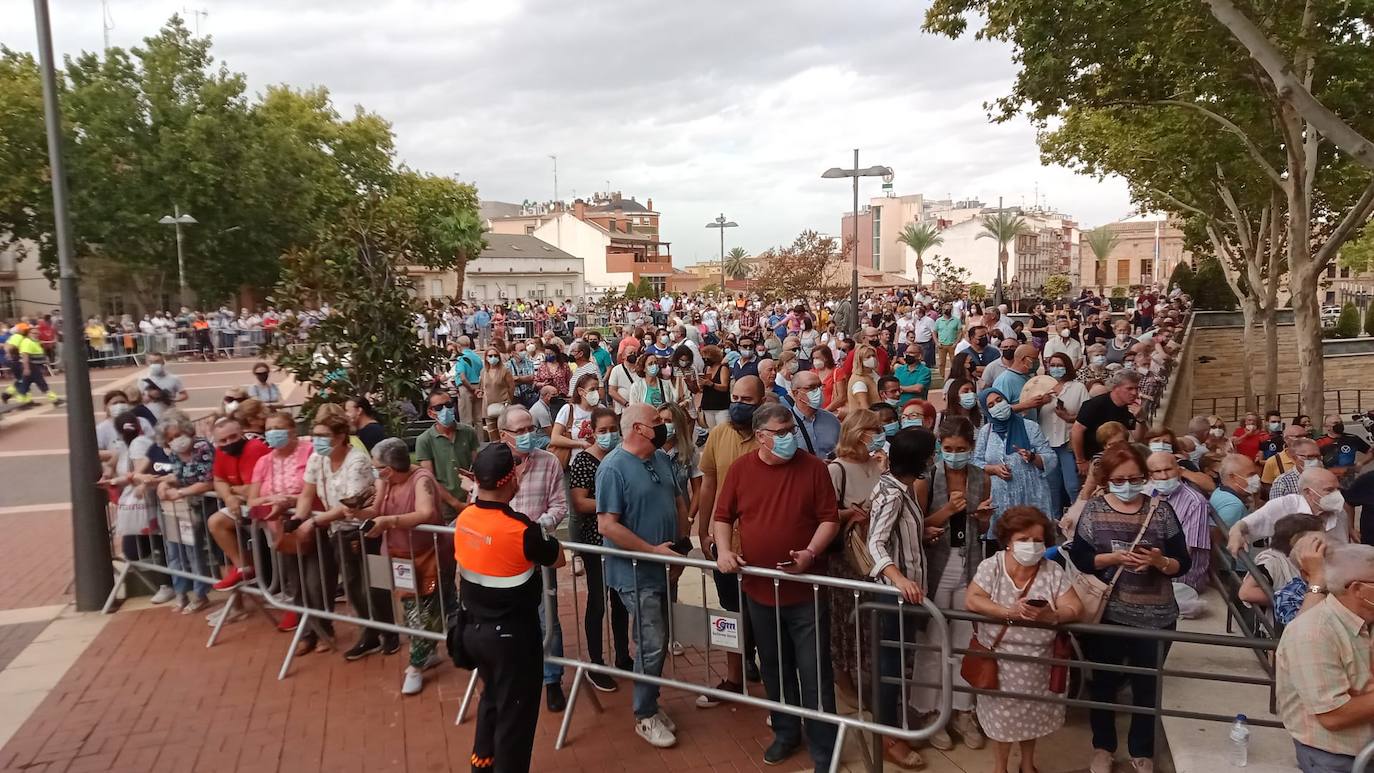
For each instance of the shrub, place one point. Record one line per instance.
(1348, 324)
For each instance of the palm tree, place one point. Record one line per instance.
(1101, 241)
(1003, 227)
(920, 238)
(737, 263)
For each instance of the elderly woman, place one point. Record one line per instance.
(1015, 455)
(405, 499)
(274, 487)
(136, 507)
(1095, 371)
(191, 461)
(1125, 537)
(1277, 562)
(1018, 583)
(252, 416)
(895, 541)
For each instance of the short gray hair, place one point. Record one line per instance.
(503, 421)
(176, 419)
(636, 413)
(1124, 376)
(770, 412)
(393, 453)
(1346, 564)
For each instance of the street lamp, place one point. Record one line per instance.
(722, 224)
(835, 172)
(178, 219)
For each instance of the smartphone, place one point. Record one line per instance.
(786, 564)
(1038, 602)
(958, 530)
(367, 526)
(289, 525)
(682, 547)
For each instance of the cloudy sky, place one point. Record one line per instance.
(705, 106)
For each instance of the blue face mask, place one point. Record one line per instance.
(608, 440)
(891, 428)
(1126, 492)
(968, 400)
(742, 414)
(323, 445)
(277, 438)
(784, 445)
(526, 443)
(815, 398)
(445, 416)
(1196, 453)
(957, 460)
(876, 443)
(909, 423)
(1167, 486)
(1058, 371)
(1000, 411)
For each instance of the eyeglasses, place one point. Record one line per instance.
(441, 406)
(781, 431)
(1134, 481)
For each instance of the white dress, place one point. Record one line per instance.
(1011, 719)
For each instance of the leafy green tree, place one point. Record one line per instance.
(803, 269)
(1348, 324)
(1101, 241)
(1056, 286)
(978, 291)
(1212, 292)
(920, 238)
(737, 263)
(952, 279)
(645, 289)
(631, 291)
(1182, 277)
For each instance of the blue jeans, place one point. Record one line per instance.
(649, 608)
(1312, 760)
(928, 352)
(1064, 483)
(800, 635)
(552, 674)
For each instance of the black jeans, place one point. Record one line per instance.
(800, 635)
(596, 611)
(371, 603)
(508, 654)
(728, 591)
(1124, 651)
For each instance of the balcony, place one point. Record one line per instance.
(638, 263)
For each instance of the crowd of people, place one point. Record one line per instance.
(945, 449)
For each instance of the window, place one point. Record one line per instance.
(7, 305)
(113, 305)
(1331, 271)
(436, 288)
(658, 283)
(1123, 272)
(1147, 268)
(612, 225)
(877, 236)
(1330, 298)
(529, 230)
(1345, 272)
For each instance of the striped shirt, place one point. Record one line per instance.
(1285, 484)
(896, 525)
(541, 495)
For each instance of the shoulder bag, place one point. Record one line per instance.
(1092, 591)
(855, 537)
(979, 667)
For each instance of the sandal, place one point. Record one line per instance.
(912, 760)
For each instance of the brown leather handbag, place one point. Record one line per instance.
(979, 668)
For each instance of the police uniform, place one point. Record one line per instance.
(499, 552)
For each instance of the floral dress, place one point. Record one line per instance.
(1028, 485)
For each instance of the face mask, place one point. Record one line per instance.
(1252, 484)
(1275, 426)
(761, 352)
(742, 414)
(876, 443)
(1338, 428)
(1057, 371)
(1063, 334)
(118, 409)
(1027, 553)
(445, 416)
(909, 423)
(818, 365)
(493, 359)
(1161, 446)
(662, 340)
(1311, 464)
(529, 350)
(814, 397)
(957, 460)
(745, 354)
(322, 445)
(277, 438)
(890, 428)
(231, 405)
(593, 396)
(1332, 503)
(608, 440)
(1197, 452)
(981, 341)
(1099, 360)
(1167, 486)
(651, 371)
(870, 362)
(524, 443)
(129, 432)
(1217, 432)
(784, 446)
(1126, 492)
(261, 376)
(893, 401)
(967, 400)
(180, 445)
(550, 358)
(1000, 411)
(157, 369)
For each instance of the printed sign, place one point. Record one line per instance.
(402, 574)
(187, 531)
(724, 631)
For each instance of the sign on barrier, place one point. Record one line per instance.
(403, 574)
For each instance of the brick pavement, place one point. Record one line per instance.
(36, 558)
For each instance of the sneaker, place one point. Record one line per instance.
(213, 618)
(196, 604)
(391, 644)
(655, 732)
(778, 752)
(1101, 762)
(414, 681)
(675, 647)
(235, 578)
(288, 623)
(365, 646)
(667, 721)
(164, 594)
(432, 661)
(941, 740)
(967, 727)
(602, 682)
(710, 702)
(553, 698)
(1142, 765)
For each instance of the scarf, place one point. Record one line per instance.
(1012, 429)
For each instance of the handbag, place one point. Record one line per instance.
(1061, 649)
(1092, 591)
(979, 667)
(854, 541)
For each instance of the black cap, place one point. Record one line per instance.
(493, 466)
(1361, 491)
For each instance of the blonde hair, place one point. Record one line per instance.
(852, 444)
(682, 432)
(1110, 430)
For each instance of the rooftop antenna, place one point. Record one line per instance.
(106, 22)
(198, 13)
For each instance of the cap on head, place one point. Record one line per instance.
(494, 466)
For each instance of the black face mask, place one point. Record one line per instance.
(982, 341)
(911, 359)
(1338, 428)
(1008, 354)
(261, 376)
(660, 435)
(129, 433)
(235, 448)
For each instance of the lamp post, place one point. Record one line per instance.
(721, 223)
(177, 220)
(835, 172)
(90, 537)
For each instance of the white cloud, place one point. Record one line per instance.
(706, 106)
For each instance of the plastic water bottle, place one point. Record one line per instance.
(1240, 742)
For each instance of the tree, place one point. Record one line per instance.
(1101, 241)
(951, 279)
(920, 238)
(977, 292)
(1348, 324)
(367, 344)
(1056, 286)
(1358, 254)
(1212, 292)
(631, 291)
(737, 263)
(805, 268)
(1182, 277)
(1003, 228)
(645, 289)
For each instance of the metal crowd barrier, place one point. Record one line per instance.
(1363, 759)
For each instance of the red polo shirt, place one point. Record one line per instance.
(238, 470)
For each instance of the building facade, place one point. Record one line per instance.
(1147, 251)
(512, 266)
(849, 232)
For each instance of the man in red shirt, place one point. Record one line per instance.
(235, 457)
(784, 504)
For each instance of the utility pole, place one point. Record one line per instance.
(721, 224)
(198, 14)
(558, 215)
(90, 532)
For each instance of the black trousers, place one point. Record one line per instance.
(596, 613)
(510, 659)
(1124, 651)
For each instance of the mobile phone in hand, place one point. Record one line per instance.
(786, 564)
(289, 525)
(1038, 602)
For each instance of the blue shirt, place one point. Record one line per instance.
(643, 493)
(470, 365)
(1229, 506)
(482, 318)
(990, 355)
(744, 368)
(823, 429)
(1010, 383)
(1288, 600)
(908, 376)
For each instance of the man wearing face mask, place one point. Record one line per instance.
(116, 404)
(235, 458)
(639, 508)
(1192, 509)
(1012, 380)
(1305, 456)
(444, 449)
(1318, 494)
(818, 430)
(1284, 460)
(467, 378)
(748, 364)
(543, 498)
(171, 386)
(784, 504)
(912, 375)
(1238, 484)
(1006, 351)
(1061, 341)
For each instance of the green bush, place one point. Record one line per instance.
(1369, 320)
(1182, 278)
(1348, 324)
(1211, 293)
(631, 291)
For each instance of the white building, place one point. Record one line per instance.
(512, 266)
(1051, 247)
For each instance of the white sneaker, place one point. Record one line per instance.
(667, 721)
(179, 608)
(414, 681)
(675, 647)
(164, 594)
(655, 732)
(195, 605)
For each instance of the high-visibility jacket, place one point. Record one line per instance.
(497, 550)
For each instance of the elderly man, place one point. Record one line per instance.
(1306, 455)
(1011, 381)
(1318, 494)
(1238, 484)
(235, 458)
(818, 430)
(768, 371)
(542, 497)
(1192, 509)
(1323, 665)
(1283, 461)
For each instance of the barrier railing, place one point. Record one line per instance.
(1363, 759)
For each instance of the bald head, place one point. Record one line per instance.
(1161, 461)
(748, 389)
(805, 379)
(1315, 484)
(636, 413)
(1025, 357)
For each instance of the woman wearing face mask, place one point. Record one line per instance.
(918, 414)
(1119, 346)
(498, 388)
(275, 485)
(823, 365)
(1014, 454)
(861, 390)
(1056, 422)
(787, 368)
(233, 398)
(252, 417)
(1126, 536)
(715, 387)
(655, 388)
(554, 370)
(572, 428)
(261, 388)
(962, 400)
(896, 543)
(191, 460)
(1248, 436)
(1095, 369)
(1018, 583)
(582, 481)
(136, 522)
(854, 473)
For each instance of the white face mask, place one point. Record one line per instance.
(1252, 484)
(1332, 502)
(593, 397)
(870, 362)
(1028, 553)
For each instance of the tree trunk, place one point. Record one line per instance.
(1268, 317)
(1307, 320)
(1247, 311)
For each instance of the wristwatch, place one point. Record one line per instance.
(1318, 589)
